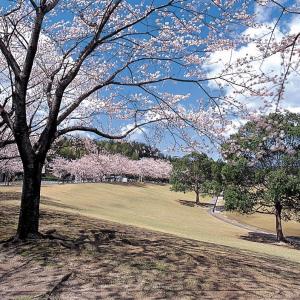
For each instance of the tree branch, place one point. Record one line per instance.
(10, 59)
(103, 134)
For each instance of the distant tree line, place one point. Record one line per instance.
(75, 148)
(98, 167)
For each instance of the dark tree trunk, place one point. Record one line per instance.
(279, 233)
(28, 226)
(215, 204)
(197, 197)
(7, 180)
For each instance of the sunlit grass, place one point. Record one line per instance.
(153, 207)
(266, 222)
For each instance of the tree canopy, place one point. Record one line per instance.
(263, 173)
(190, 173)
(74, 148)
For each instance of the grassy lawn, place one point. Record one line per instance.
(266, 222)
(155, 207)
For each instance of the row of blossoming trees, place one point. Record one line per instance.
(97, 167)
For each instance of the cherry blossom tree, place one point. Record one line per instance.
(259, 75)
(154, 168)
(80, 65)
(60, 167)
(96, 166)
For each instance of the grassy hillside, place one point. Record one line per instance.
(266, 222)
(156, 207)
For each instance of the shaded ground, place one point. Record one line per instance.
(94, 259)
(194, 204)
(257, 235)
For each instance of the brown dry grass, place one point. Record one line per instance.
(106, 260)
(266, 222)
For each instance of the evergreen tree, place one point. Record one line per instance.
(190, 173)
(263, 171)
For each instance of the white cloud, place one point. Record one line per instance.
(233, 127)
(271, 65)
(134, 135)
(263, 13)
(294, 25)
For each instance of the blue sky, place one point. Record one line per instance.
(265, 15)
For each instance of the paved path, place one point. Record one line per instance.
(217, 214)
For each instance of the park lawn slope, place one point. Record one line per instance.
(156, 207)
(266, 222)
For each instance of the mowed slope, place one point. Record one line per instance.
(266, 222)
(155, 207)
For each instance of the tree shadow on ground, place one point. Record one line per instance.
(220, 208)
(16, 196)
(295, 238)
(269, 238)
(82, 258)
(194, 204)
(51, 202)
(8, 195)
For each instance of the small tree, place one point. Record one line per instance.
(263, 174)
(190, 173)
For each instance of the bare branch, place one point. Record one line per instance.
(103, 134)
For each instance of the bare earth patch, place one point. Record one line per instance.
(85, 258)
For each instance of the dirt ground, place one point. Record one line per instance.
(94, 259)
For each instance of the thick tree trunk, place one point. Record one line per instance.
(28, 226)
(197, 197)
(280, 236)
